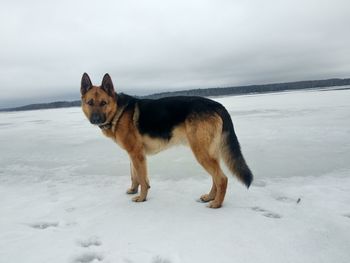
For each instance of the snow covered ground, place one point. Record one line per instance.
(62, 189)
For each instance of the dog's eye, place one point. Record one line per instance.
(103, 103)
(90, 102)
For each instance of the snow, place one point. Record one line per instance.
(62, 189)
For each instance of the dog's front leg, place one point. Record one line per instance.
(134, 181)
(138, 161)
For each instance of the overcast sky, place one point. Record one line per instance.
(148, 46)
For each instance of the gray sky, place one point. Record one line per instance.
(149, 46)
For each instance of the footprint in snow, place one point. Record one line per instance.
(266, 213)
(288, 199)
(271, 215)
(347, 215)
(88, 258)
(44, 225)
(159, 259)
(92, 241)
(258, 209)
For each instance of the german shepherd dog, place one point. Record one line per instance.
(147, 126)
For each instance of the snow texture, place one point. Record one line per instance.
(62, 189)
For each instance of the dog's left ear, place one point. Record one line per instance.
(107, 85)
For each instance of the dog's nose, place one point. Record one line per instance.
(96, 118)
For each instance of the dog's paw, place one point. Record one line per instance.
(214, 204)
(132, 191)
(206, 198)
(138, 199)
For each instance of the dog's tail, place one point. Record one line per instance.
(231, 150)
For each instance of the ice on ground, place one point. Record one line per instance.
(62, 189)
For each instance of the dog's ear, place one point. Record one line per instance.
(85, 84)
(107, 85)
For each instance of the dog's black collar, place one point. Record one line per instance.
(113, 123)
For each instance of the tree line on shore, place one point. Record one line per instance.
(208, 92)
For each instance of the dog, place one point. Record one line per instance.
(148, 126)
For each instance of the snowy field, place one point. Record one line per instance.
(62, 189)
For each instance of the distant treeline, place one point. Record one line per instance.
(209, 92)
(239, 90)
(50, 105)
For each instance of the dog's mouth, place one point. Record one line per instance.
(102, 125)
(98, 123)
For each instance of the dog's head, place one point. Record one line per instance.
(98, 102)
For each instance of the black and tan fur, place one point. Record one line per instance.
(145, 126)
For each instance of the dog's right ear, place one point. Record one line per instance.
(85, 84)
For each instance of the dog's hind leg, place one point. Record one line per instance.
(218, 190)
(204, 137)
(134, 182)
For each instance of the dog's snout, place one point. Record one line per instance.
(96, 118)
